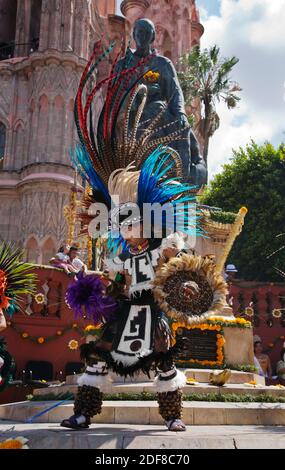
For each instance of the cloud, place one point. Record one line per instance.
(254, 32)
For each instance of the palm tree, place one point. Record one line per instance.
(205, 75)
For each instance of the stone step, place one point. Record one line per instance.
(146, 412)
(201, 388)
(201, 375)
(149, 436)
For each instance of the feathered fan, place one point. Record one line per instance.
(16, 278)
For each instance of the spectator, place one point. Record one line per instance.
(262, 359)
(62, 260)
(230, 272)
(280, 368)
(76, 262)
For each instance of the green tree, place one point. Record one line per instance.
(255, 178)
(205, 75)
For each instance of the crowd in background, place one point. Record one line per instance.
(68, 259)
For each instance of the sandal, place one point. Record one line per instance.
(72, 423)
(175, 425)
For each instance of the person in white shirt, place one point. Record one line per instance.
(76, 262)
(62, 260)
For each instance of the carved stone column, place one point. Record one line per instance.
(23, 20)
(55, 25)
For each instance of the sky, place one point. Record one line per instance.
(253, 31)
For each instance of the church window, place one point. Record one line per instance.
(8, 13)
(35, 25)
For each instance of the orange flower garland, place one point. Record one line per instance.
(41, 340)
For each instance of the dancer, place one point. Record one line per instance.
(128, 174)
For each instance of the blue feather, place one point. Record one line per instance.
(81, 160)
(153, 188)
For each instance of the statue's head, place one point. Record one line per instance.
(144, 32)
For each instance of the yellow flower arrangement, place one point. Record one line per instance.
(17, 443)
(253, 383)
(41, 340)
(151, 77)
(191, 381)
(92, 327)
(237, 320)
(73, 344)
(40, 298)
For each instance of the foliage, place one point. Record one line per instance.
(205, 75)
(146, 396)
(254, 178)
(242, 368)
(223, 217)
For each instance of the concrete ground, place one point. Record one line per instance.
(120, 436)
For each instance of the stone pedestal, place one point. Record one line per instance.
(238, 346)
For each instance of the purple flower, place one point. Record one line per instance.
(86, 296)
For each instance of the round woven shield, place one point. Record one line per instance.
(189, 289)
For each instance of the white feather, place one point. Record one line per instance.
(99, 381)
(179, 381)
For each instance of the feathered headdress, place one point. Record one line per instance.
(122, 158)
(16, 278)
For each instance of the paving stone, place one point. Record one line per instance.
(117, 436)
(260, 443)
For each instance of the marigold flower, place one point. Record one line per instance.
(40, 340)
(39, 298)
(276, 313)
(249, 311)
(17, 443)
(73, 344)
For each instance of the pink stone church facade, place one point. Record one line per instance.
(44, 45)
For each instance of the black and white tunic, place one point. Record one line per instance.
(138, 314)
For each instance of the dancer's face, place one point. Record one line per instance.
(133, 234)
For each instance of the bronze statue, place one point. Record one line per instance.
(164, 92)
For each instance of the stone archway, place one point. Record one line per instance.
(48, 250)
(32, 250)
